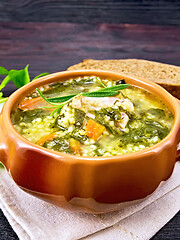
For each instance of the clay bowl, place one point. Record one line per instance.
(88, 184)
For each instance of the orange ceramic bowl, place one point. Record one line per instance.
(89, 184)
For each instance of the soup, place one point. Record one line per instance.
(89, 116)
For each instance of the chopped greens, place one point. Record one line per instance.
(60, 144)
(79, 116)
(90, 116)
(28, 116)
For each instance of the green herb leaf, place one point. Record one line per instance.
(114, 88)
(18, 77)
(105, 92)
(99, 80)
(2, 99)
(61, 99)
(100, 94)
(40, 75)
(4, 82)
(3, 71)
(1, 165)
(46, 99)
(59, 106)
(58, 109)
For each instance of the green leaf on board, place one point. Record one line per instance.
(4, 82)
(40, 75)
(3, 71)
(2, 99)
(1, 165)
(19, 77)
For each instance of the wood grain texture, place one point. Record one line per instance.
(54, 47)
(91, 11)
(6, 232)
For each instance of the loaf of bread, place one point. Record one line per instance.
(168, 76)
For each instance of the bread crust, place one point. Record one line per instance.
(168, 76)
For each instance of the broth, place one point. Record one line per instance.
(129, 121)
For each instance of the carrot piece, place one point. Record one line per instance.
(75, 145)
(94, 129)
(32, 103)
(42, 140)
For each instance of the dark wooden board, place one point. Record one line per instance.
(54, 47)
(94, 11)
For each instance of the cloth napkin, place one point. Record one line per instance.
(32, 218)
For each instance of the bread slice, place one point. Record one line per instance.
(168, 76)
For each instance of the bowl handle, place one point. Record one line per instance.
(3, 147)
(178, 146)
(178, 152)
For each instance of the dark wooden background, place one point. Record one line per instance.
(91, 11)
(53, 35)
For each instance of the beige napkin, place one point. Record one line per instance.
(35, 219)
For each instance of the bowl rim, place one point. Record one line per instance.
(15, 98)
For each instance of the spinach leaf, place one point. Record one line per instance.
(79, 116)
(161, 129)
(58, 144)
(100, 117)
(57, 123)
(19, 115)
(77, 136)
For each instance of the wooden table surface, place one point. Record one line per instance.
(54, 47)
